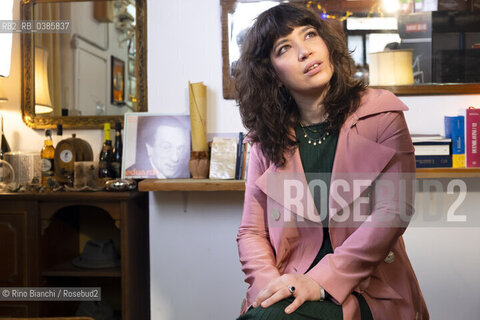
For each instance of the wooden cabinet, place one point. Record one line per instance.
(17, 252)
(40, 235)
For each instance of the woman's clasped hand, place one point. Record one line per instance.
(305, 289)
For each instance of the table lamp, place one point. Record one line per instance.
(391, 68)
(43, 103)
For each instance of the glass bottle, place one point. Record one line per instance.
(105, 169)
(5, 147)
(106, 131)
(117, 151)
(106, 136)
(47, 155)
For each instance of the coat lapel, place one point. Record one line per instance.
(288, 187)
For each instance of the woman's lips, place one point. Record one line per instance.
(312, 68)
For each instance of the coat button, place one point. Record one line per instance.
(280, 265)
(276, 214)
(390, 257)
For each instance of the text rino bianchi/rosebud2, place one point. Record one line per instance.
(50, 294)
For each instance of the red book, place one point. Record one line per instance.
(472, 137)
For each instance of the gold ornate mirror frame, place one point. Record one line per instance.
(78, 122)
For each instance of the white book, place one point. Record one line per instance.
(432, 150)
(429, 138)
(223, 158)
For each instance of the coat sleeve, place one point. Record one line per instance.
(356, 259)
(255, 251)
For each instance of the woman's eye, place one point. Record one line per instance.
(282, 50)
(311, 34)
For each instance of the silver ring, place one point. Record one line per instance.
(291, 289)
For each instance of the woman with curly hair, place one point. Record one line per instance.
(313, 125)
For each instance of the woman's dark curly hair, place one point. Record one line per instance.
(268, 110)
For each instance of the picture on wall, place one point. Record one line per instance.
(118, 81)
(156, 146)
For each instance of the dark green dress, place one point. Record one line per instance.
(317, 161)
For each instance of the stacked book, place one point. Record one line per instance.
(455, 130)
(472, 137)
(229, 156)
(465, 134)
(459, 148)
(432, 151)
(243, 157)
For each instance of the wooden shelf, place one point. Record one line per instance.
(436, 173)
(67, 269)
(239, 185)
(191, 185)
(433, 89)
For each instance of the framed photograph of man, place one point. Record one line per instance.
(156, 146)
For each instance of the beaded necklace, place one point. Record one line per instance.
(314, 141)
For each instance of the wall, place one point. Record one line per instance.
(195, 273)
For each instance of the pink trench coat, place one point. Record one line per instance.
(276, 238)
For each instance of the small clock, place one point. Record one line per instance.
(67, 152)
(66, 155)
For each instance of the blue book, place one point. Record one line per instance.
(455, 130)
(443, 161)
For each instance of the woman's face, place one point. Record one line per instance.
(301, 61)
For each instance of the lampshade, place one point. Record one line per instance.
(391, 68)
(43, 103)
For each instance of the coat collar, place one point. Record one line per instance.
(375, 101)
(351, 148)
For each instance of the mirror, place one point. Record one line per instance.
(84, 62)
(444, 48)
